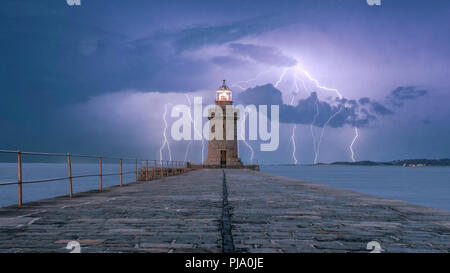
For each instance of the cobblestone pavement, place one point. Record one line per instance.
(184, 214)
(275, 214)
(175, 214)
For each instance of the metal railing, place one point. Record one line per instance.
(158, 170)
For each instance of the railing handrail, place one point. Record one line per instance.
(73, 155)
(160, 166)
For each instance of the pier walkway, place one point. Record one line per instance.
(193, 212)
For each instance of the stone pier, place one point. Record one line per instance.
(188, 213)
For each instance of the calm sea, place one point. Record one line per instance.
(38, 171)
(428, 186)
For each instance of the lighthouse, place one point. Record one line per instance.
(224, 152)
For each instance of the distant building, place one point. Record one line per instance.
(224, 153)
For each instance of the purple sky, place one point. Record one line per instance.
(94, 79)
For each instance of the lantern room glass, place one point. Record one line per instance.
(223, 95)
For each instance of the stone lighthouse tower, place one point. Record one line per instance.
(224, 152)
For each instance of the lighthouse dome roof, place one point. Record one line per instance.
(224, 87)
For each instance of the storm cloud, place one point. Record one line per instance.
(403, 93)
(66, 71)
(380, 109)
(263, 54)
(312, 110)
(198, 36)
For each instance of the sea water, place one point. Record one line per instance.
(41, 171)
(427, 186)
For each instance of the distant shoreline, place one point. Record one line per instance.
(402, 163)
(445, 162)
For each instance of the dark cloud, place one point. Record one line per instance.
(380, 109)
(198, 36)
(261, 95)
(364, 101)
(403, 93)
(263, 54)
(344, 111)
(228, 62)
(53, 57)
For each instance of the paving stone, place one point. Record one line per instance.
(184, 214)
(151, 214)
(317, 218)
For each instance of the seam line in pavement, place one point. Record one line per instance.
(227, 237)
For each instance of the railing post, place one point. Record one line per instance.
(19, 176)
(69, 167)
(121, 173)
(135, 171)
(146, 171)
(101, 172)
(162, 170)
(167, 168)
(154, 169)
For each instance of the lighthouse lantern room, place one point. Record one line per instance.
(223, 93)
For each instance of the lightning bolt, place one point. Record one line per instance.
(323, 131)
(238, 84)
(299, 69)
(243, 139)
(187, 150)
(315, 146)
(318, 85)
(353, 142)
(281, 77)
(294, 146)
(165, 141)
(296, 89)
(195, 131)
(190, 117)
(316, 82)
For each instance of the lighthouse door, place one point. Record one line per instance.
(223, 158)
